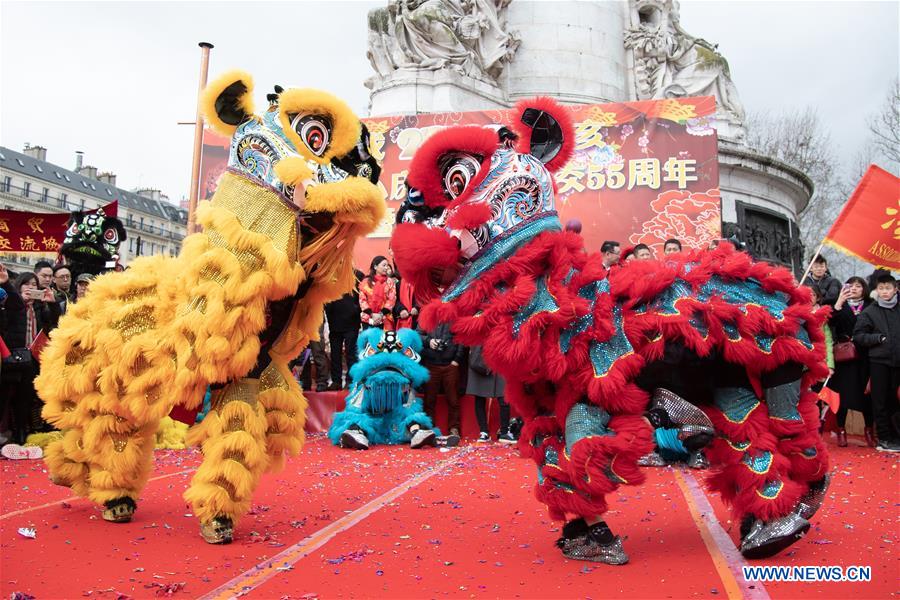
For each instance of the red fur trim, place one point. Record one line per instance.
(418, 250)
(469, 216)
(562, 116)
(424, 169)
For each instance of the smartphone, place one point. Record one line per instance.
(35, 294)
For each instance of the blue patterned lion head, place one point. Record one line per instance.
(388, 367)
(478, 193)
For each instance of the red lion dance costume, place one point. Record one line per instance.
(594, 359)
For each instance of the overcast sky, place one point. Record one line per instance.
(113, 79)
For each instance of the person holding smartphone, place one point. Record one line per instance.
(33, 310)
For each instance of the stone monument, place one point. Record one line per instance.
(434, 55)
(460, 55)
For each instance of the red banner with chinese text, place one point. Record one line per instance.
(642, 172)
(869, 224)
(37, 232)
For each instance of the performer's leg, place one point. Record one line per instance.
(504, 416)
(285, 407)
(336, 341)
(233, 437)
(451, 392)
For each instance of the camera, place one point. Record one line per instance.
(440, 345)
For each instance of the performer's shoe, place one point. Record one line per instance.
(448, 441)
(768, 539)
(698, 460)
(60, 481)
(119, 510)
(653, 459)
(422, 438)
(218, 530)
(870, 437)
(669, 411)
(842, 437)
(354, 439)
(597, 545)
(810, 502)
(507, 438)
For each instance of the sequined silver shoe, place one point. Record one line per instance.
(768, 539)
(698, 460)
(672, 411)
(586, 548)
(813, 499)
(653, 459)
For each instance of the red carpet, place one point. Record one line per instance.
(467, 526)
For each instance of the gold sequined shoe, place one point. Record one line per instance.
(217, 531)
(119, 510)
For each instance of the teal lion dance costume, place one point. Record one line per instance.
(382, 407)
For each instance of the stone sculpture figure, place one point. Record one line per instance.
(467, 36)
(671, 63)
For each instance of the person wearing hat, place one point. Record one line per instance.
(81, 285)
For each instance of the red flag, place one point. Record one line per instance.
(830, 397)
(869, 225)
(38, 344)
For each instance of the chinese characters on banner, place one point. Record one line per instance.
(37, 232)
(642, 172)
(869, 224)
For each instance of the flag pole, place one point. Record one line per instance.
(198, 142)
(809, 266)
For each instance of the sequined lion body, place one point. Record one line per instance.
(582, 348)
(243, 297)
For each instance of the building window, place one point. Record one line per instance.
(38, 168)
(142, 223)
(19, 160)
(82, 204)
(63, 199)
(7, 184)
(26, 189)
(67, 178)
(131, 245)
(45, 195)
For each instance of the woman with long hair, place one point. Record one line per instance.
(378, 295)
(851, 368)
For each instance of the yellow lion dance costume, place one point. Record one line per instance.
(242, 299)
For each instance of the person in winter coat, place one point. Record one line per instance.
(343, 329)
(821, 279)
(29, 310)
(378, 295)
(442, 357)
(851, 375)
(878, 330)
(483, 384)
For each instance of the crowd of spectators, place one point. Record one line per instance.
(863, 338)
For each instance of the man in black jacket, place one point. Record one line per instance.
(343, 329)
(821, 279)
(878, 330)
(442, 358)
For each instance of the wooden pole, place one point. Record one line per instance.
(809, 266)
(198, 142)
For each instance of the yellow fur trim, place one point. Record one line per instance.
(211, 93)
(234, 450)
(171, 434)
(42, 440)
(353, 200)
(292, 170)
(345, 126)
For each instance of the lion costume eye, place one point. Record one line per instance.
(111, 236)
(410, 353)
(314, 130)
(457, 170)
